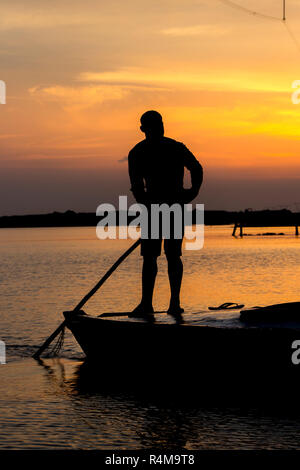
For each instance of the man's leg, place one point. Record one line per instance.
(175, 271)
(148, 281)
(150, 250)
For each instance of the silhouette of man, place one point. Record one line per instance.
(156, 171)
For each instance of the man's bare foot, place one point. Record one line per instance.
(142, 311)
(175, 309)
(176, 312)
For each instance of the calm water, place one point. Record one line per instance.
(46, 271)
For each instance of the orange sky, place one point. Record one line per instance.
(79, 75)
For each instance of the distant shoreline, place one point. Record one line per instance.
(70, 218)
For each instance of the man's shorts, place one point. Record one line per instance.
(172, 247)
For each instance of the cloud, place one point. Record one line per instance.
(196, 30)
(234, 80)
(38, 20)
(130, 76)
(123, 159)
(80, 97)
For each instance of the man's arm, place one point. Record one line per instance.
(136, 178)
(196, 171)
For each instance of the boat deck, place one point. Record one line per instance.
(228, 319)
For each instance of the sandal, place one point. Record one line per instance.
(227, 306)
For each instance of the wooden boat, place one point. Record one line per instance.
(206, 347)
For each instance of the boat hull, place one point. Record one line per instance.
(180, 355)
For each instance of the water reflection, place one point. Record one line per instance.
(114, 417)
(158, 419)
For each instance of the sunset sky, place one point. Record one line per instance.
(80, 73)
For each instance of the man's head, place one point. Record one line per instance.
(152, 124)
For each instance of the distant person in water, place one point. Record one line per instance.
(156, 171)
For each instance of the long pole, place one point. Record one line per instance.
(86, 298)
(283, 15)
